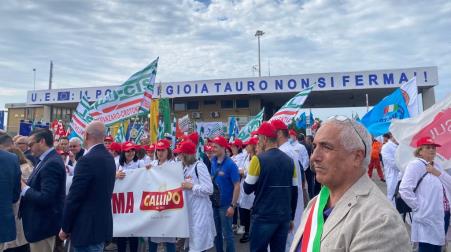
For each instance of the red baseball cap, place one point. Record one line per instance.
(186, 147)
(208, 148)
(109, 138)
(427, 141)
(150, 148)
(163, 144)
(252, 140)
(267, 129)
(128, 146)
(279, 125)
(221, 141)
(237, 142)
(193, 137)
(292, 132)
(115, 147)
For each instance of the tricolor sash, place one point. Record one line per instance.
(311, 239)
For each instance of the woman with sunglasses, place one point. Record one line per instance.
(127, 161)
(164, 155)
(430, 200)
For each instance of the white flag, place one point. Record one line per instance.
(292, 107)
(410, 92)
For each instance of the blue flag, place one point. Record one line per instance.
(312, 120)
(378, 119)
(302, 121)
(2, 119)
(232, 125)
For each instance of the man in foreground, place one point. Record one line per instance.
(350, 213)
(87, 216)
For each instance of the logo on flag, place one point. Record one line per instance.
(391, 108)
(245, 132)
(131, 98)
(291, 108)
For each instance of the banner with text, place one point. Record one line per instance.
(150, 203)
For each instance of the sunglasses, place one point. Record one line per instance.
(343, 118)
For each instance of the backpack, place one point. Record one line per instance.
(401, 205)
(215, 198)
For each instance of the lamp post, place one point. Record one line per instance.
(258, 34)
(34, 79)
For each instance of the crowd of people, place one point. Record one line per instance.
(257, 189)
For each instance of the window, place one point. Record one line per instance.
(242, 103)
(226, 104)
(192, 105)
(210, 102)
(179, 106)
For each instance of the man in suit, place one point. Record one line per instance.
(87, 217)
(9, 190)
(43, 194)
(76, 150)
(355, 213)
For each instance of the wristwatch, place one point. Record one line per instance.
(232, 205)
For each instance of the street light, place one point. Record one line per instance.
(34, 79)
(258, 34)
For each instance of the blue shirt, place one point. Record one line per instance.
(227, 176)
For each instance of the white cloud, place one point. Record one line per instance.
(104, 42)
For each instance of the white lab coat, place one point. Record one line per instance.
(426, 203)
(245, 200)
(302, 154)
(200, 212)
(288, 149)
(391, 170)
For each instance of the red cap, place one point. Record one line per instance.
(279, 125)
(221, 141)
(128, 146)
(252, 140)
(186, 147)
(163, 144)
(254, 133)
(208, 148)
(109, 138)
(427, 141)
(150, 148)
(193, 137)
(115, 147)
(266, 129)
(237, 142)
(292, 132)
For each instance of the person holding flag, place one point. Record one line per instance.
(350, 213)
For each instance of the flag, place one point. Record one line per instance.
(410, 92)
(302, 121)
(153, 122)
(253, 124)
(292, 107)
(211, 129)
(160, 129)
(131, 98)
(184, 123)
(165, 113)
(378, 119)
(80, 118)
(434, 123)
(140, 133)
(312, 119)
(2, 119)
(233, 128)
(174, 132)
(200, 146)
(120, 134)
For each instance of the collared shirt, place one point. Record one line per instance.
(41, 158)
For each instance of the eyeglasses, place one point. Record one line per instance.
(343, 118)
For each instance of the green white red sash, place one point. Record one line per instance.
(311, 239)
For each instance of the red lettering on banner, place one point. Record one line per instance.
(118, 201)
(160, 201)
(440, 131)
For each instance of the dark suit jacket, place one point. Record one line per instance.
(87, 212)
(41, 207)
(9, 194)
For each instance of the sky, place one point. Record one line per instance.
(101, 43)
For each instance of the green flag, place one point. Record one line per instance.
(165, 113)
(120, 135)
(253, 124)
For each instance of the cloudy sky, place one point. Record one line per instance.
(98, 43)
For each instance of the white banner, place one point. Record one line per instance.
(150, 203)
(434, 122)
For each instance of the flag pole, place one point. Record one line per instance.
(367, 103)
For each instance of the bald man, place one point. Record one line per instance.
(87, 215)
